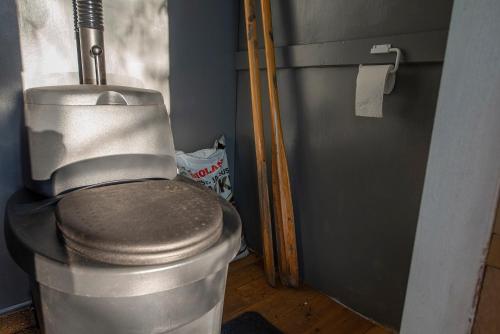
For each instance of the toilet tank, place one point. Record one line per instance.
(84, 135)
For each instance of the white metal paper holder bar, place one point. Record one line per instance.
(387, 48)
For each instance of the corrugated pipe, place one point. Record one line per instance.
(88, 14)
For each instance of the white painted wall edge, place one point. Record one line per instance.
(462, 179)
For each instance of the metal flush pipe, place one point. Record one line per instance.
(89, 30)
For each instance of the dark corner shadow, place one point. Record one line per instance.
(11, 88)
(11, 120)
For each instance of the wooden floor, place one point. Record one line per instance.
(21, 322)
(292, 311)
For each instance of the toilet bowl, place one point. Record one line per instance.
(94, 271)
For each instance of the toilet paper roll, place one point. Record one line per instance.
(372, 83)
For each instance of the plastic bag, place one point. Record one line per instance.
(209, 167)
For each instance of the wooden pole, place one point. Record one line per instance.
(258, 128)
(282, 194)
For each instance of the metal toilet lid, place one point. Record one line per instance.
(140, 223)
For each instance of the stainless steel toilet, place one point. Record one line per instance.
(112, 239)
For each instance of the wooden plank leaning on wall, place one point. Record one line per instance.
(284, 220)
(260, 154)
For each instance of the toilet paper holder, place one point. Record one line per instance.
(387, 48)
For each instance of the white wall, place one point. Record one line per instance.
(463, 177)
(135, 35)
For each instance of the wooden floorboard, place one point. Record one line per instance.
(298, 311)
(20, 322)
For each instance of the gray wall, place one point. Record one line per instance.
(357, 182)
(13, 282)
(203, 37)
